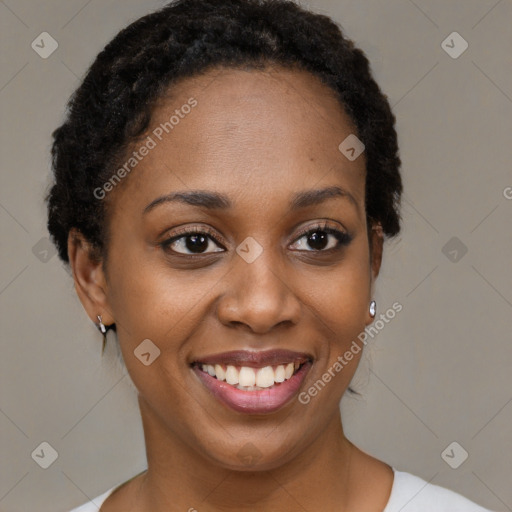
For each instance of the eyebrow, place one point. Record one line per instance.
(216, 201)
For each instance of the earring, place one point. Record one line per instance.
(103, 330)
(373, 308)
(101, 326)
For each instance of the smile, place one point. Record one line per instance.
(253, 382)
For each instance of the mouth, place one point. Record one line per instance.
(253, 382)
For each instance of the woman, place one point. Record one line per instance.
(224, 181)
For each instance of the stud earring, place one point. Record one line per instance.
(101, 326)
(373, 308)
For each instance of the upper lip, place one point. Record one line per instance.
(258, 359)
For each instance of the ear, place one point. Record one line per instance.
(89, 277)
(376, 248)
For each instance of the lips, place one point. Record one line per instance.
(253, 382)
(255, 359)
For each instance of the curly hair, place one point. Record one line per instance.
(113, 104)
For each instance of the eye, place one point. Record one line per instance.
(192, 241)
(195, 240)
(323, 238)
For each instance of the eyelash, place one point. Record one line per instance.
(342, 237)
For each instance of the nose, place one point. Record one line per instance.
(258, 297)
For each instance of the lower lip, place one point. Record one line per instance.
(255, 402)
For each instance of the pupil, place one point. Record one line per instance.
(199, 243)
(318, 240)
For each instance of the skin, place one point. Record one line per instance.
(258, 137)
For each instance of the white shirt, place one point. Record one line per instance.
(409, 493)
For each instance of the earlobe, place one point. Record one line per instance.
(377, 237)
(89, 277)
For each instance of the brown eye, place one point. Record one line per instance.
(322, 239)
(191, 242)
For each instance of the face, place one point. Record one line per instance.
(258, 273)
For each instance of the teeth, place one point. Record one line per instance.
(246, 377)
(279, 374)
(250, 379)
(219, 372)
(265, 377)
(231, 375)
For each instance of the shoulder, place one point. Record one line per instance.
(411, 493)
(95, 504)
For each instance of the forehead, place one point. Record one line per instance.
(257, 131)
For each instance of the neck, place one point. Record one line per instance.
(179, 477)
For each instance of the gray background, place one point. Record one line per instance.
(439, 372)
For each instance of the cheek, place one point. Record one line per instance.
(151, 301)
(341, 298)
(342, 304)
